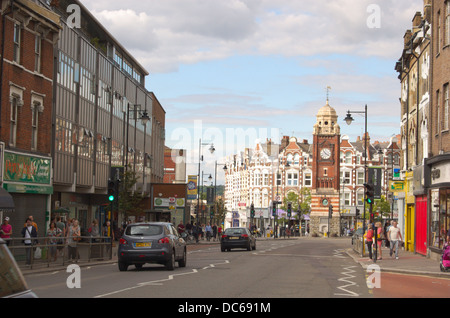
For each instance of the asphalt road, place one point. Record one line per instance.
(304, 268)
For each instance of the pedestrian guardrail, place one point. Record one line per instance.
(47, 252)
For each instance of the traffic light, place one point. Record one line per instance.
(330, 211)
(357, 212)
(372, 217)
(252, 210)
(289, 210)
(274, 209)
(211, 211)
(369, 192)
(112, 190)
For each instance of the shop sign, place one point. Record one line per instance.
(168, 202)
(26, 169)
(395, 186)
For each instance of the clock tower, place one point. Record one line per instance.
(326, 172)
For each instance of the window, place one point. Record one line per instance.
(439, 31)
(278, 179)
(345, 177)
(446, 107)
(16, 39)
(348, 157)
(438, 104)
(36, 108)
(308, 179)
(360, 198)
(13, 120)
(447, 23)
(345, 198)
(360, 177)
(37, 53)
(292, 179)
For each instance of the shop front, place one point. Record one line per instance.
(169, 203)
(439, 204)
(29, 182)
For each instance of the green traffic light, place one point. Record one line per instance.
(111, 198)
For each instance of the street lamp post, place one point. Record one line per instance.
(349, 119)
(200, 159)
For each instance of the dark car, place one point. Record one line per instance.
(153, 242)
(12, 282)
(237, 237)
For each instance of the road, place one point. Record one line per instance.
(277, 269)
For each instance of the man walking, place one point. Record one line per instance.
(394, 237)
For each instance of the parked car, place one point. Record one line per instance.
(12, 282)
(237, 237)
(151, 242)
(356, 235)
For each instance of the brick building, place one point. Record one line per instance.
(29, 35)
(438, 163)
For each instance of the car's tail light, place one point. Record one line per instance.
(122, 241)
(244, 235)
(224, 236)
(164, 240)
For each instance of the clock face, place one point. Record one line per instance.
(325, 153)
(325, 202)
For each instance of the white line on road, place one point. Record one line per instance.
(159, 282)
(348, 275)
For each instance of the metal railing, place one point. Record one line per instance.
(58, 251)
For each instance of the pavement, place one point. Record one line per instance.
(408, 262)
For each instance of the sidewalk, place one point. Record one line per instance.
(408, 263)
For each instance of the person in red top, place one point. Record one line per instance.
(6, 230)
(369, 239)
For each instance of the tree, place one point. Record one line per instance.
(130, 201)
(219, 210)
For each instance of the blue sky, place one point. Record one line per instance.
(224, 67)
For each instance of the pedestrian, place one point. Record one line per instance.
(52, 240)
(181, 228)
(208, 232)
(395, 237)
(109, 234)
(386, 229)
(380, 237)
(74, 236)
(32, 223)
(219, 232)
(214, 229)
(195, 231)
(6, 230)
(29, 233)
(93, 231)
(369, 239)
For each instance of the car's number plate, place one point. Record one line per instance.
(234, 238)
(143, 244)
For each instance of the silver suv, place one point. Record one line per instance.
(151, 242)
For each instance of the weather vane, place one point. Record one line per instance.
(328, 92)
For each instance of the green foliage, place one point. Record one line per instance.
(130, 202)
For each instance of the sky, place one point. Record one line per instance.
(232, 72)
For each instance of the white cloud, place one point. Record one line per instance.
(165, 34)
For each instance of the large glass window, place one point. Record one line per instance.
(440, 217)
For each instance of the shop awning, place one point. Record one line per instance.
(6, 200)
(61, 210)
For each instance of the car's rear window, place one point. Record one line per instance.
(235, 231)
(144, 230)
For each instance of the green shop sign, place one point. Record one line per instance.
(26, 169)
